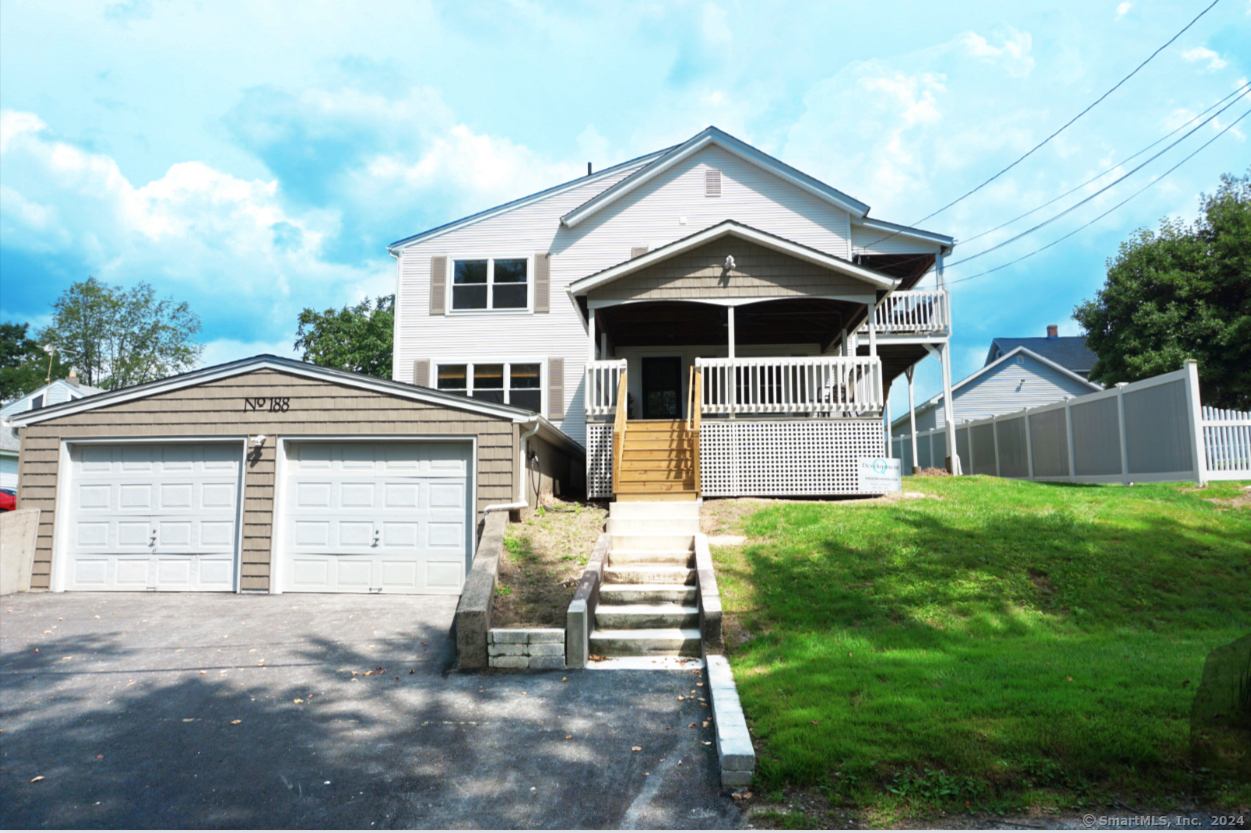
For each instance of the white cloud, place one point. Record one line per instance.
(228, 246)
(1013, 55)
(1123, 8)
(1201, 53)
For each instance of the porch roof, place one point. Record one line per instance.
(873, 280)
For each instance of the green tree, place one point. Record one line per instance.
(358, 338)
(116, 338)
(1183, 292)
(24, 365)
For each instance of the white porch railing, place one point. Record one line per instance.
(601, 386)
(802, 385)
(914, 311)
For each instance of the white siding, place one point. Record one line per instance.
(8, 471)
(53, 394)
(1009, 387)
(649, 216)
(881, 242)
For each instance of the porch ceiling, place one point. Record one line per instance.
(788, 321)
(895, 358)
(907, 268)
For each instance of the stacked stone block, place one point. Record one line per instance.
(537, 649)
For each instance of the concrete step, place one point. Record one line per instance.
(635, 541)
(669, 642)
(673, 558)
(648, 496)
(635, 616)
(652, 526)
(661, 509)
(624, 594)
(649, 574)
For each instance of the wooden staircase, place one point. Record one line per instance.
(657, 461)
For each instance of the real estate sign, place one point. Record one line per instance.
(879, 475)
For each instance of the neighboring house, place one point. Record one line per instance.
(709, 260)
(1070, 352)
(1015, 380)
(62, 390)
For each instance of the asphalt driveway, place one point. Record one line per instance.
(206, 710)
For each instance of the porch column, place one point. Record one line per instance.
(590, 335)
(872, 331)
(890, 448)
(603, 345)
(843, 345)
(730, 318)
(732, 375)
(949, 413)
(912, 420)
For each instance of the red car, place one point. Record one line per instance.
(8, 500)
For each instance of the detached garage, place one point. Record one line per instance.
(272, 475)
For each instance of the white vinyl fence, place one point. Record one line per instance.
(1153, 430)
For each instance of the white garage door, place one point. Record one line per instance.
(153, 516)
(376, 517)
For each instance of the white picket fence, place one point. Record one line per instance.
(1227, 443)
(1152, 430)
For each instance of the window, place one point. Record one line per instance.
(36, 403)
(519, 385)
(493, 283)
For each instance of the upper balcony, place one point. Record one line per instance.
(912, 313)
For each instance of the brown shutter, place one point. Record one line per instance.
(438, 284)
(421, 372)
(638, 251)
(555, 388)
(542, 282)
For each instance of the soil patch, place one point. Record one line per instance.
(543, 559)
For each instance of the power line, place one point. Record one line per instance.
(1105, 188)
(1064, 127)
(1110, 210)
(1105, 171)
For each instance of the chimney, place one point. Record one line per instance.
(72, 378)
(1053, 331)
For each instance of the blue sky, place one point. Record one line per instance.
(255, 158)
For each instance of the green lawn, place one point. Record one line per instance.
(997, 646)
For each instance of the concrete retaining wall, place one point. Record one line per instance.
(18, 533)
(709, 598)
(536, 649)
(580, 620)
(473, 614)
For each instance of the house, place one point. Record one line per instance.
(62, 390)
(704, 320)
(1015, 380)
(1070, 352)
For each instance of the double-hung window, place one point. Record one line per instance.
(509, 383)
(491, 284)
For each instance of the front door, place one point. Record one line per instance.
(662, 387)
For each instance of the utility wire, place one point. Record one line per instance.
(1066, 125)
(1107, 170)
(1105, 188)
(1110, 210)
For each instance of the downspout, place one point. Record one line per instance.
(521, 502)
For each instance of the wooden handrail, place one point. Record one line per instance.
(619, 431)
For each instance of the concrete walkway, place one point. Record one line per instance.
(168, 710)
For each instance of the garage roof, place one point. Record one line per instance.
(402, 390)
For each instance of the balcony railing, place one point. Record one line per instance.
(914, 312)
(838, 386)
(602, 379)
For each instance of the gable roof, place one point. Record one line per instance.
(983, 371)
(897, 230)
(523, 201)
(56, 384)
(346, 378)
(1069, 351)
(705, 138)
(731, 228)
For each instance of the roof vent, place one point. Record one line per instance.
(712, 183)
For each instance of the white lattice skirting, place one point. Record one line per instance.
(598, 459)
(796, 457)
